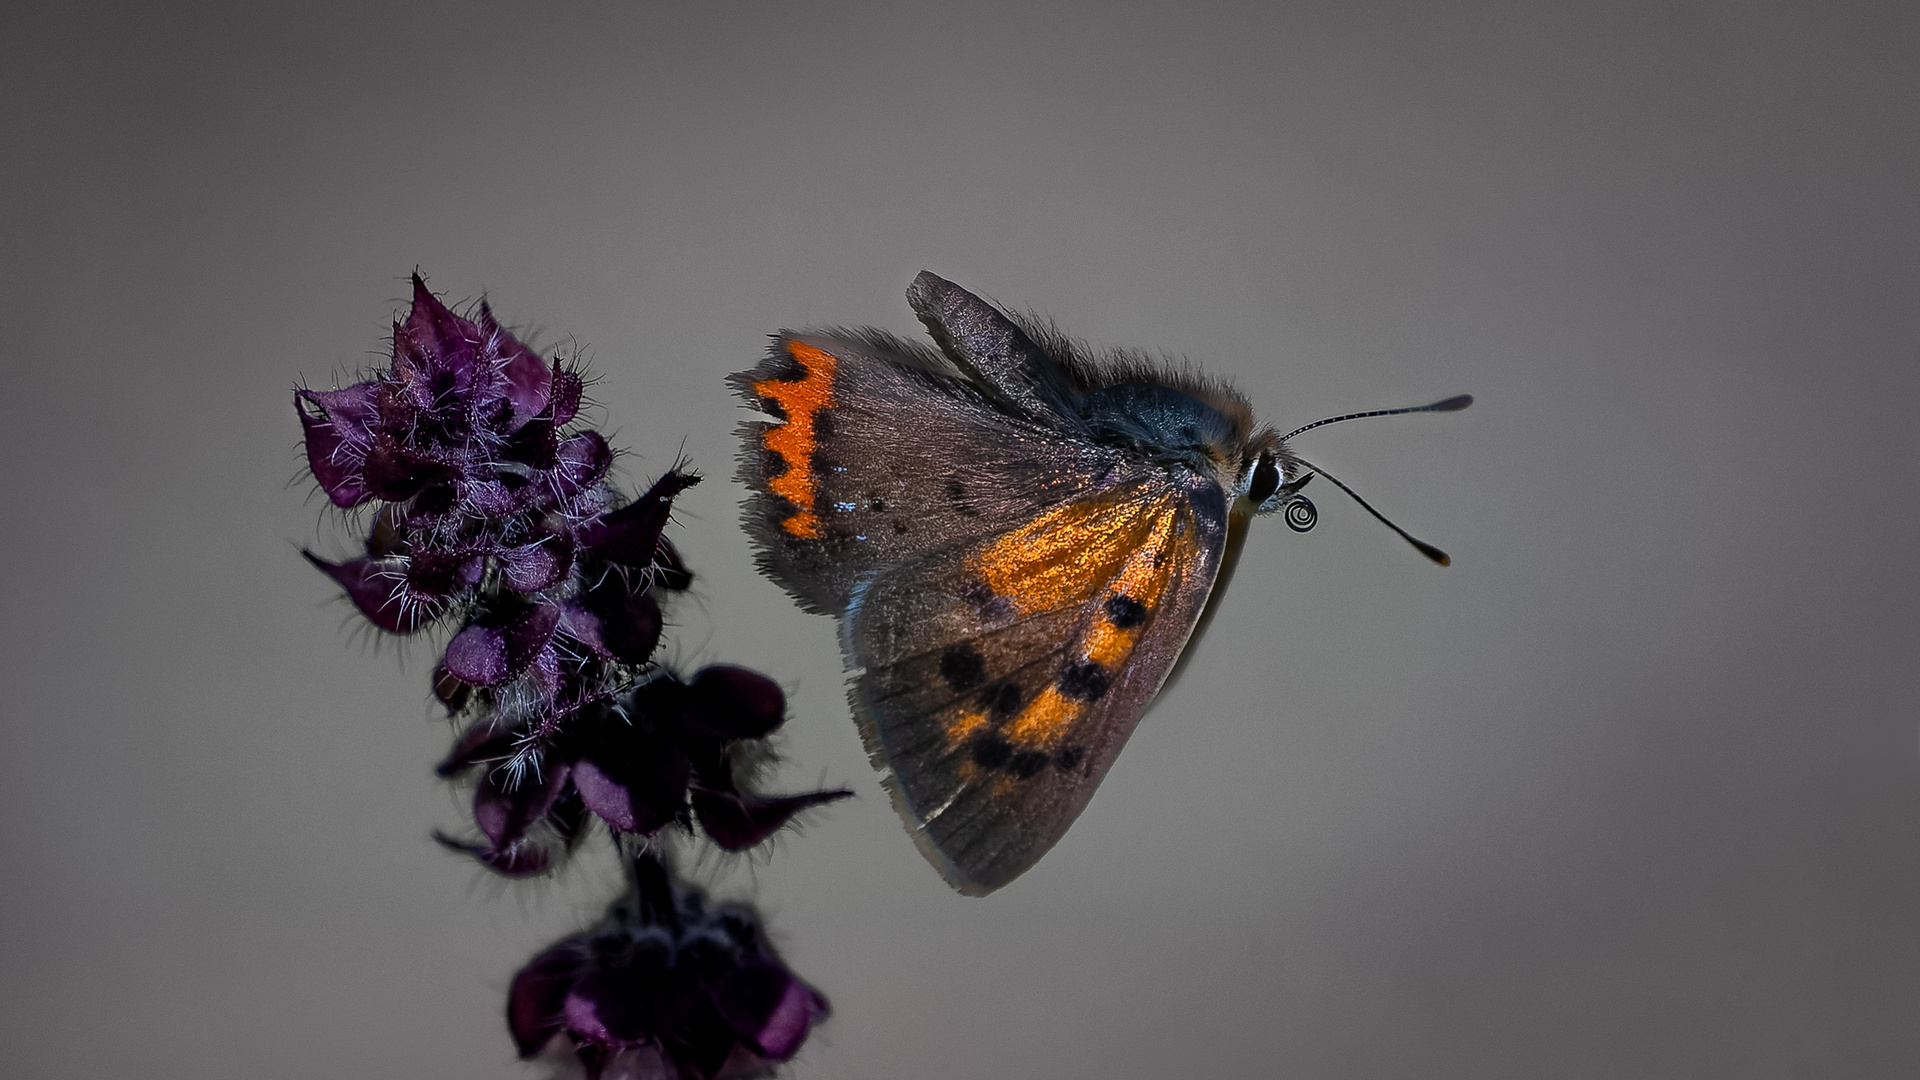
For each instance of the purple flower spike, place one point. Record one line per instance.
(492, 505)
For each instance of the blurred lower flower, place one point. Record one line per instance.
(665, 989)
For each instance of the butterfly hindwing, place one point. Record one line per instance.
(878, 452)
(998, 680)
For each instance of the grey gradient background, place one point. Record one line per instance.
(1632, 790)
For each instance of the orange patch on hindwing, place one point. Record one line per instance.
(1115, 560)
(793, 439)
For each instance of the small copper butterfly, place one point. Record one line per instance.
(1020, 536)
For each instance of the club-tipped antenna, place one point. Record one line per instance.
(1419, 545)
(1452, 404)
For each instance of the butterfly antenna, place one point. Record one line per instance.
(1421, 546)
(1452, 404)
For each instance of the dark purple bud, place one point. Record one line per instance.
(525, 376)
(627, 614)
(539, 565)
(631, 535)
(633, 780)
(768, 1007)
(737, 821)
(726, 702)
(378, 588)
(337, 438)
(537, 998)
(491, 650)
(509, 802)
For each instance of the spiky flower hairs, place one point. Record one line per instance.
(492, 510)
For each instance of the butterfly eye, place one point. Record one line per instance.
(1263, 479)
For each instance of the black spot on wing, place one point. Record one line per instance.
(1125, 612)
(1026, 763)
(1001, 701)
(963, 667)
(957, 495)
(990, 751)
(1083, 680)
(1068, 758)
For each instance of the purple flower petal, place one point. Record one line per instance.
(629, 617)
(579, 464)
(487, 740)
(769, 1007)
(737, 821)
(506, 805)
(377, 588)
(434, 350)
(337, 438)
(631, 535)
(395, 471)
(634, 781)
(526, 378)
(536, 1000)
(726, 702)
(489, 652)
(520, 860)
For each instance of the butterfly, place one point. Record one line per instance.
(1021, 539)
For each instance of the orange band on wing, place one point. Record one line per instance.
(1065, 555)
(1116, 560)
(793, 440)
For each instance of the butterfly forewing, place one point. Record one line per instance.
(998, 680)
(873, 457)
